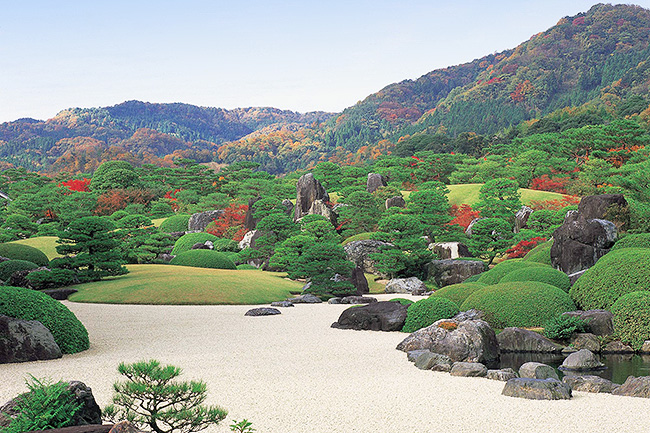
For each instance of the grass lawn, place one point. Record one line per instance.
(156, 222)
(176, 285)
(468, 194)
(47, 244)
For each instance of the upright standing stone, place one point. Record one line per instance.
(308, 190)
(375, 181)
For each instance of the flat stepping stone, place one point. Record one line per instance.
(264, 311)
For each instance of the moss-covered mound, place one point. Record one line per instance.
(176, 223)
(427, 311)
(9, 267)
(69, 333)
(632, 318)
(458, 293)
(641, 240)
(203, 259)
(187, 241)
(494, 275)
(15, 251)
(540, 254)
(616, 274)
(521, 304)
(358, 237)
(542, 274)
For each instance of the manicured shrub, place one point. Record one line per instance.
(427, 311)
(187, 241)
(641, 240)
(176, 223)
(473, 278)
(68, 332)
(457, 293)
(632, 318)
(616, 274)
(226, 245)
(402, 301)
(52, 279)
(563, 327)
(542, 274)
(521, 304)
(15, 251)
(540, 254)
(494, 275)
(203, 259)
(9, 267)
(247, 267)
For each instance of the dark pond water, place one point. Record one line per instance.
(619, 367)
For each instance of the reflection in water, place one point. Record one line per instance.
(619, 367)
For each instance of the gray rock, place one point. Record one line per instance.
(282, 304)
(375, 182)
(634, 387)
(249, 221)
(590, 384)
(471, 341)
(586, 341)
(358, 300)
(307, 298)
(447, 272)
(569, 350)
(433, 361)
(410, 286)
(376, 316)
(358, 280)
(59, 294)
(582, 360)
(164, 257)
(450, 250)
(574, 276)
(523, 340)
(248, 241)
(537, 370)
(207, 245)
(319, 207)
(597, 206)
(413, 355)
(468, 369)
(537, 389)
(645, 348)
(359, 253)
(616, 347)
(288, 207)
(334, 301)
(471, 314)
(397, 201)
(521, 218)
(468, 230)
(199, 221)
(308, 190)
(504, 375)
(25, 340)
(262, 311)
(599, 322)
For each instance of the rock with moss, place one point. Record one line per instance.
(453, 271)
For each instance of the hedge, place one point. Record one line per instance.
(203, 259)
(23, 252)
(641, 240)
(632, 318)
(542, 274)
(617, 273)
(494, 275)
(458, 293)
(427, 311)
(176, 223)
(520, 304)
(187, 241)
(540, 254)
(9, 267)
(68, 332)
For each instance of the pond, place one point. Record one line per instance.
(619, 366)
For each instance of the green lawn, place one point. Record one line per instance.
(156, 222)
(468, 194)
(176, 285)
(47, 244)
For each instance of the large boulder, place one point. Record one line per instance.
(585, 340)
(410, 286)
(320, 207)
(537, 389)
(603, 206)
(359, 253)
(470, 341)
(308, 190)
(288, 207)
(504, 375)
(522, 340)
(306, 298)
(590, 384)
(450, 250)
(59, 294)
(397, 201)
(376, 316)
(633, 387)
(468, 369)
(599, 322)
(582, 360)
(450, 271)
(26, 340)
(262, 311)
(616, 346)
(249, 221)
(521, 218)
(359, 281)
(375, 181)
(537, 370)
(433, 361)
(199, 221)
(248, 241)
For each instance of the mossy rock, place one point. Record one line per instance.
(494, 275)
(519, 304)
(68, 332)
(458, 293)
(187, 241)
(641, 240)
(540, 254)
(15, 251)
(358, 237)
(542, 274)
(203, 259)
(632, 318)
(427, 311)
(9, 267)
(176, 223)
(617, 273)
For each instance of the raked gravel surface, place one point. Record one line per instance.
(292, 373)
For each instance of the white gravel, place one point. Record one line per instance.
(292, 373)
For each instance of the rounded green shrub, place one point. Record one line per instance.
(494, 275)
(225, 245)
(641, 240)
(68, 332)
(521, 304)
(617, 273)
(187, 241)
(203, 259)
(427, 311)
(15, 251)
(563, 327)
(542, 274)
(176, 223)
(457, 293)
(9, 267)
(632, 318)
(402, 301)
(247, 267)
(472, 279)
(540, 254)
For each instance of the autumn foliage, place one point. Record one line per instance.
(567, 200)
(230, 224)
(522, 248)
(546, 183)
(118, 199)
(463, 215)
(77, 185)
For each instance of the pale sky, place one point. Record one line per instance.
(296, 55)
